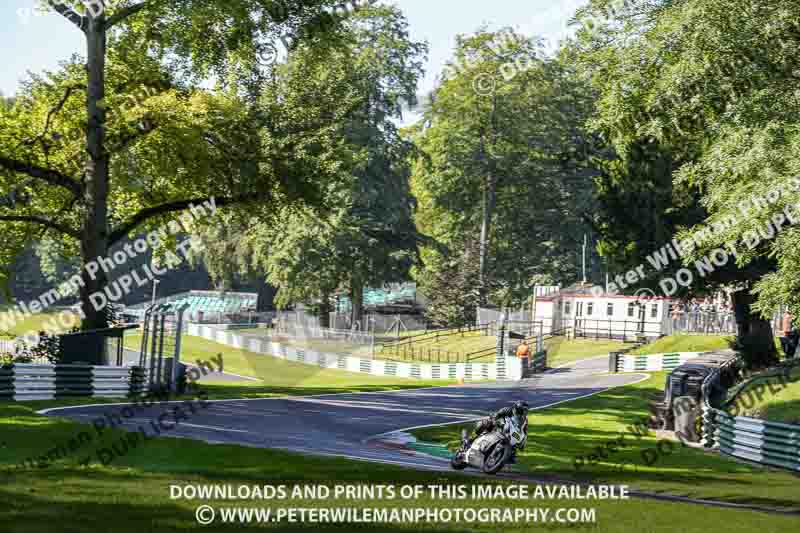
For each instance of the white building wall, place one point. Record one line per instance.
(587, 314)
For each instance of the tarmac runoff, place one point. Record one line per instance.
(356, 425)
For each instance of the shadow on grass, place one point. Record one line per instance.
(563, 438)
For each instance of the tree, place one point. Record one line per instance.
(125, 136)
(504, 164)
(715, 91)
(367, 235)
(450, 282)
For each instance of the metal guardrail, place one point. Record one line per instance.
(404, 350)
(502, 368)
(784, 370)
(427, 355)
(620, 362)
(21, 382)
(8, 346)
(760, 441)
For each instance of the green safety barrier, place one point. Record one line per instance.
(760, 441)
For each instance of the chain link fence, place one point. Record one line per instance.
(310, 336)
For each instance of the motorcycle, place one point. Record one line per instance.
(491, 451)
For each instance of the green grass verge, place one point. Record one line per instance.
(559, 435)
(561, 350)
(279, 377)
(454, 346)
(131, 494)
(775, 400)
(685, 343)
(30, 324)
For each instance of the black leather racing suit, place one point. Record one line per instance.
(497, 420)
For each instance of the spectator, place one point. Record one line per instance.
(789, 335)
(524, 353)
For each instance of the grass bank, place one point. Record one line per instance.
(773, 399)
(685, 343)
(564, 439)
(561, 350)
(28, 324)
(132, 493)
(278, 377)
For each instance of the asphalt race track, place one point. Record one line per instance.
(360, 425)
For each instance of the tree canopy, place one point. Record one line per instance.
(128, 133)
(505, 165)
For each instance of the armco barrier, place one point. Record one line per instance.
(760, 441)
(34, 382)
(509, 368)
(23, 382)
(653, 362)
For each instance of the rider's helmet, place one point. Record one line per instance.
(521, 408)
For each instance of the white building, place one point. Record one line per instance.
(580, 311)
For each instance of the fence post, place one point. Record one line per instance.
(613, 362)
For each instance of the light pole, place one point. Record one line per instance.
(155, 286)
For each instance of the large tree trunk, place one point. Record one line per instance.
(755, 339)
(489, 202)
(94, 240)
(357, 301)
(325, 311)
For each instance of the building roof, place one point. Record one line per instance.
(580, 290)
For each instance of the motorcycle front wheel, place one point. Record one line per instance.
(457, 461)
(496, 458)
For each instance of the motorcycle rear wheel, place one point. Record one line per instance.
(496, 458)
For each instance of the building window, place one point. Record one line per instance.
(631, 310)
(589, 309)
(567, 308)
(610, 310)
(654, 311)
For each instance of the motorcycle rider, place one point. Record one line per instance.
(497, 420)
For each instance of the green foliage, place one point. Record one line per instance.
(450, 283)
(116, 141)
(365, 234)
(48, 347)
(505, 163)
(715, 92)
